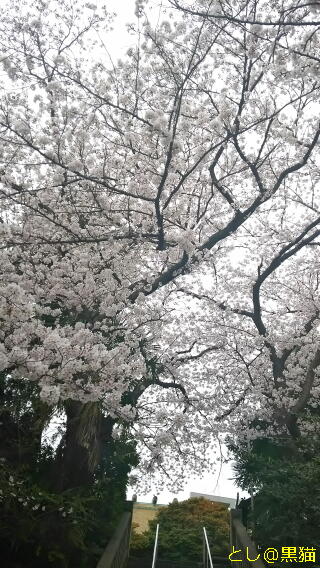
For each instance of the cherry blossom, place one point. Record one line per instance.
(160, 217)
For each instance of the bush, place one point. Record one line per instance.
(181, 530)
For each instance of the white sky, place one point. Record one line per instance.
(212, 484)
(118, 41)
(218, 483)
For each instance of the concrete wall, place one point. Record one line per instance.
(229, 501)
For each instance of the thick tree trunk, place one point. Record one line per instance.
(81, 449)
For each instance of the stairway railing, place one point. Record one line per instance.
(207, 560)
(241, 541)
(117, 551)
(155, 550)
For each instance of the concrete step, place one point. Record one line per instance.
(144, 563)
(147, 563)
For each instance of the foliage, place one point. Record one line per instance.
(141, 544)
(181, 530)
(41, 526)
(286, 486)
(68, 529)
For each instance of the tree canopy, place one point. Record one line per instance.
(285, 484)
(160, 218)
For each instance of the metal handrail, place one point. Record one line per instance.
(155, 550)
(207, 560)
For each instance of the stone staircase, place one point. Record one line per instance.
(147, 563)
(115, 554)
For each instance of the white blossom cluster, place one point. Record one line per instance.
(159, 218)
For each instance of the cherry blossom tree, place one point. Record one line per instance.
(159, 217)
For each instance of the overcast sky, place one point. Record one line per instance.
(212, 484)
